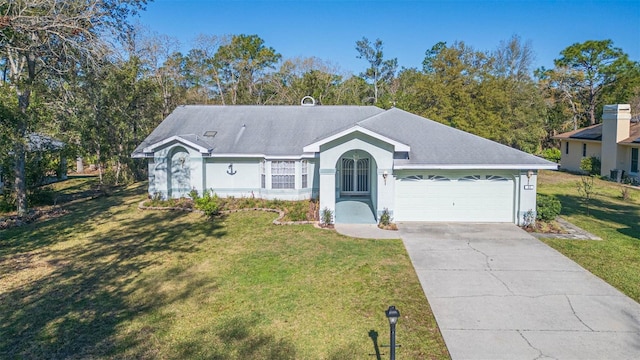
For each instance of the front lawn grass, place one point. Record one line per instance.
(110, 281)
(615, 259)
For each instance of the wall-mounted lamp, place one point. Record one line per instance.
(529, 174)
(385, 174)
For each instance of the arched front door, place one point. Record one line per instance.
(179, 175)
(355, 178)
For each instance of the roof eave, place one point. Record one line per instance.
(152, 148)
(550, 166)
(315, 147)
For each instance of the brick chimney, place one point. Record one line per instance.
(616, 120)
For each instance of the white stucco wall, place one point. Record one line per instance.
(331, 152)
(168, 175)
(625, 154)
(526, 190)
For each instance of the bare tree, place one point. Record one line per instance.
(40, 38)
(154, 49)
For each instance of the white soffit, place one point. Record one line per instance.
(152, 148)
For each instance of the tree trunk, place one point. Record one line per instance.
(19, 182)
(20, 150)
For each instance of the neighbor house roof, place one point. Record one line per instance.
(594, 132)
(42, 142)
(274, 131)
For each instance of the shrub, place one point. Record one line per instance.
(552, 154)
(385, 218)
(587, 190)
(208, 204)
(298, 211)
(193, 194)
(528, 219)
(548, 207)
(590, 165)
(326, 218)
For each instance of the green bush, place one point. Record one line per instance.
(385, 218)
(552, 154)
(326, 217)
(209, 204)
(590, 165)
(548, 207)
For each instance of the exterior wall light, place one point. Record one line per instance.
(392, 314)
(385, 174)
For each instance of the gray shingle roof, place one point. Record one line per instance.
(271, 130)
(435, 144)
(286, 130)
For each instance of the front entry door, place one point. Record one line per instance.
(355, 176)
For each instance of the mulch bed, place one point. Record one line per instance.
(40, 214)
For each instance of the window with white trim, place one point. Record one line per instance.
(263, 174)
(470, 178)
(438, 178)
(496, 178)
(304, 170)
(283, 174)
(412, 178)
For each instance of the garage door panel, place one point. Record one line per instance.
(474, 201)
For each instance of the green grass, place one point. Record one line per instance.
(110, 281)
(615, 259)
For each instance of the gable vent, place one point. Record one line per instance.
(308, 101)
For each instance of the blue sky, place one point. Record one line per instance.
(329, 29)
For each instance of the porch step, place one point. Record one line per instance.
(354, 212)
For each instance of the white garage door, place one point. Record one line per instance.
(472, 198)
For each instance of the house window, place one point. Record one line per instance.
(584, 150)
(283, 175)
(634, 160)
(566, 147)
(304, 170)
(355, 175)
(263, 175)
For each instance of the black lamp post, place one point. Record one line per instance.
(392, 314)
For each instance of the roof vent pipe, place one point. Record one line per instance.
(308, 101)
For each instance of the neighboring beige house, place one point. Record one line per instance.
(616, 142)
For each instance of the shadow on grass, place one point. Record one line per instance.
(625, 216)
(374, 338)
(236, 338)
(75, 297)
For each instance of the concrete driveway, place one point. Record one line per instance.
(499, 293)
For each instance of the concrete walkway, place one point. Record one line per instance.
(499, 293)
(366, 231)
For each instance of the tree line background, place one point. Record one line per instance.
(79, 71)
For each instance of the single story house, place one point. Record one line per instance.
(615, 141)
(357, 160)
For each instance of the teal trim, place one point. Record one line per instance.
(327, 171)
